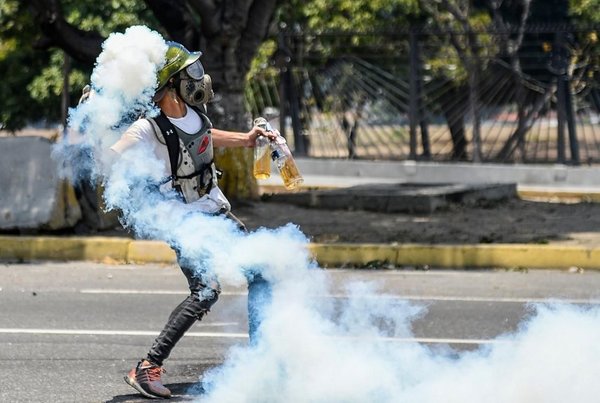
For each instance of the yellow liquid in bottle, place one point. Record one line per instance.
(262, 165)
(290, 174)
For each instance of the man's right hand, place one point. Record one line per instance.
(86, 92)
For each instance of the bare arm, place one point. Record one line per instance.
(224, 138)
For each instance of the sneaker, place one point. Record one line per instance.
(145, 378)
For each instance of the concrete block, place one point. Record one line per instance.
(398, 198)
(32, 196)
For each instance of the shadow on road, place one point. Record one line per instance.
(181, 392)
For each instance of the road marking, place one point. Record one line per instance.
(477, 299)
(429, 340)
(149, 292)
(78, 332)
(134, 292)
(521, 300)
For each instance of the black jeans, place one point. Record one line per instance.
(204, 292)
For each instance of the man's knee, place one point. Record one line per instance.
(209, 296)
(199, 302)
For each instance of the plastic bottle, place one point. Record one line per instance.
(280, 153)
(262, 152)
(285, 163)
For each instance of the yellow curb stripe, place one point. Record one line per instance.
(327, 255)
(353, 254)
(150, 252)
(63, 248)
(458, 256)
(588, 196)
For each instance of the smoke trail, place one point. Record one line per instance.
(305, 357)
(123, 84)
(314, 349)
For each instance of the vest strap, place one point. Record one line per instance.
(172, 142)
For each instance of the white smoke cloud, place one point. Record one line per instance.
(314, 349)
(307, 357)
(123, 83)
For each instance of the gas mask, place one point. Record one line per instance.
(195, 87)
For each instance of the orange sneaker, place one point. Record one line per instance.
(145, 378)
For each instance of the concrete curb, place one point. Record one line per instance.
(459, 256)
(587, 196)
(125, 250)
(532, 193)
(121, 250)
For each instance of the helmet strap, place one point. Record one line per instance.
(173, 93)
(175, 83)
(160, 94)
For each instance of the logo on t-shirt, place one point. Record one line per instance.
(203, 145)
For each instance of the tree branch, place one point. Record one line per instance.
(210, 15)
(83, 46)
(457, 13)
(171, 14)
(522, 24)
(510, 47)
(259, 18)
(240, 13)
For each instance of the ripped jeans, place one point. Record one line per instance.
(202, 297)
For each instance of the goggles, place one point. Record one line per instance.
(195, 70)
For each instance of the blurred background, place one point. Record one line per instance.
(445, 81)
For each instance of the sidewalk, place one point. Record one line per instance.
(360, 255)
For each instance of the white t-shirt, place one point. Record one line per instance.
(143, 131)
(189, 123)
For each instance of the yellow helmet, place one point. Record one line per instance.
(177, 58)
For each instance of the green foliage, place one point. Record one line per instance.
(374, 19)
(261, 65)
(19, 63)
(257, 94)
(352, 15)
(47, 85)
(32, 78)
(106, 17)
(585, 11)
(587, 51)
(448, 58)
(31, 87)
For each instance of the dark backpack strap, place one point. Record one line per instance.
(197, 173)
(172, 142)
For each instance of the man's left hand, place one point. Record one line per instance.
(257, 131)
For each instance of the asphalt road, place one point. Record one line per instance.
(70, 331)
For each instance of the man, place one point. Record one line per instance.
(183, 137)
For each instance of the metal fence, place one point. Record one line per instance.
(490, 96)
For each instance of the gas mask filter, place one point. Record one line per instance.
(195, 87)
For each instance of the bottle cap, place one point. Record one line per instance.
(263, 124)
(260, 121)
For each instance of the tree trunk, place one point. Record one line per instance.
(229, 113)
(454, 111)
(525, 124)
(474, 108)
(229, 35)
